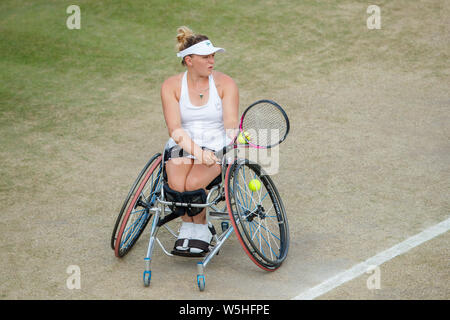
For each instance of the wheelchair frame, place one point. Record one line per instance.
(162, 208)
(162, 214)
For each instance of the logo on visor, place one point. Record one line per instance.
(208, 43)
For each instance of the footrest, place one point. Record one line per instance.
(188, 254)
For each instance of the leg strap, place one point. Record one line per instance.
(181, 243)
(197, 197)
(190, 197)
(174, 196)
(199, 244)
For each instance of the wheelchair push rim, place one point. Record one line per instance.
(135, 212)
(258, 217)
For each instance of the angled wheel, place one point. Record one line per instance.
(201, 282)
(147, 277)
(135, 212)
(257, 214)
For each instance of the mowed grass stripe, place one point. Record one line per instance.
(61, 85)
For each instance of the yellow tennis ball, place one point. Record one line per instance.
(254, 185)
(241, 138)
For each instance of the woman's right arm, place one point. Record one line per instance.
(172, 116)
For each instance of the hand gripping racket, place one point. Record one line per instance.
(264, 124)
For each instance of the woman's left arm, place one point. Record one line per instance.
(230, 106)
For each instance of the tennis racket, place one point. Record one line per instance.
(264, 124)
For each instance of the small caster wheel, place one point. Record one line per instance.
(147, 278)
(224, 225)
(201, 282)
(200, 276)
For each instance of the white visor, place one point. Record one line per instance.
(203, 48)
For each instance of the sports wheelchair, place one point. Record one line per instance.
(257, 215)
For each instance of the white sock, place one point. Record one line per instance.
(185, 232)
(201, 232)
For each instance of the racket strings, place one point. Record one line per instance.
(266, 124)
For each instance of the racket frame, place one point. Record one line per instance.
(234, 145)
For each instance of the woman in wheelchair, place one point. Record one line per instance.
(200, 108)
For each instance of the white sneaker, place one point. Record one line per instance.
(201, 232)
(184, 235)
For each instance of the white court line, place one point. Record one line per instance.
(376, 260)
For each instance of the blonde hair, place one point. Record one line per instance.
(186, 38)
(183, 34)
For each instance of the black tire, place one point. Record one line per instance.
(135, 212)
(258, 217)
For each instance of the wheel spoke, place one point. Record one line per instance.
(260, 220)
(131, 230)
(135, 212)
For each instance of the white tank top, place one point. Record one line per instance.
(204, 124)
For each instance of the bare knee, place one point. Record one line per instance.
(193, 183)
(176, 184)
(176, 173)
